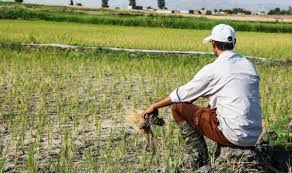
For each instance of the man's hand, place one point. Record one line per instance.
(149, 110)
(155, 106)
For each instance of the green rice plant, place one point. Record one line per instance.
(31, 162)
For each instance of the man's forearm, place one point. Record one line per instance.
(162, 103)
(156, 105)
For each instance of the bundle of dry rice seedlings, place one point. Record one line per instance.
(143, 126)
(134, 120)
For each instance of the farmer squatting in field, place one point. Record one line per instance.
(233, 117)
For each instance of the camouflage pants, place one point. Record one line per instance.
(197, 152)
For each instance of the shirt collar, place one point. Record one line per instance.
(225, 55)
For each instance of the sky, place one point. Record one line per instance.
(253, 5)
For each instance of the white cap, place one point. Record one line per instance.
(222, 33)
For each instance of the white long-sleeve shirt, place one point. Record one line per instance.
(231, 83)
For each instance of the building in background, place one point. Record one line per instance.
(165, 11)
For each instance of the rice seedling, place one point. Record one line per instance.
(63, 111)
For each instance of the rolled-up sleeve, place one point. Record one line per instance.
(199, 86)
(174, 96)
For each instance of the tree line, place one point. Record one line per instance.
(233, 11)
(278, 11)
(160, 3)
(104, 3)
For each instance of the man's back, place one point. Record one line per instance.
(231, 83)
(236, 98)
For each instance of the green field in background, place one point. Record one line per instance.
(270, 45)
(130, 18)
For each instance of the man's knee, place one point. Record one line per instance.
(179, 107)
(177, 111)
(176, 108)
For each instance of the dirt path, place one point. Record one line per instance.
(65, 46)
